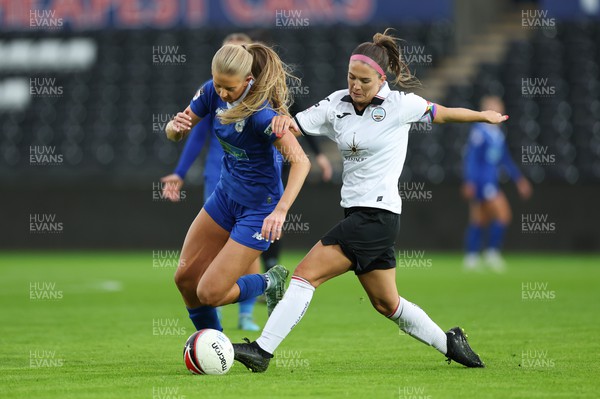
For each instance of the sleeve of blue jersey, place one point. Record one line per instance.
(509, 165)
(201, 103)
(472, 154)
(261, 121)
(193, 146)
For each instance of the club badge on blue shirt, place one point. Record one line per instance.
(239, 125)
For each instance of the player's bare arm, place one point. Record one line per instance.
(447, 115)
(181, 125)
(282, 124)
(292, 152)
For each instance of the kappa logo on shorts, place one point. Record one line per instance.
(378, 114)
(258, 236)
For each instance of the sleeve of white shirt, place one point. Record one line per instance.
(315, 121)
(414, 108)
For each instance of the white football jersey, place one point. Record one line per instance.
(372, 142)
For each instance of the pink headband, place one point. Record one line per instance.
(368, 61)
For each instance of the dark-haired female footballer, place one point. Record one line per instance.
(248, 207)
(370, 124)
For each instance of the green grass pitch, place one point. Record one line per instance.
(112, 325)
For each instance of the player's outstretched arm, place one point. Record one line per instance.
(291, 150)
(446, 115)
(181, 124)
(193, 147)
(524, 188)
(283, 124)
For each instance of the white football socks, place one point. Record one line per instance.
(287, 314)
(414, 321)
(409, 317)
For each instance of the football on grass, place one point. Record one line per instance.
(208, 351)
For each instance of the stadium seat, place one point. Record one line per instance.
(112, 89)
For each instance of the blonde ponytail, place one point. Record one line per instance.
(270, 76)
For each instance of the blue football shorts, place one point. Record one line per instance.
(486, 191)
(243, 223)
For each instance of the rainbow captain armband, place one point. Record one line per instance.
(429, 114)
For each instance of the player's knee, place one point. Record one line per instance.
(178, 281)
(507, 217)
(209, 296)
(306, 275)
(475, 219)
(504, 218)
(386, 308)
(184, 282)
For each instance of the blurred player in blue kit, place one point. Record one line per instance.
(486, 153)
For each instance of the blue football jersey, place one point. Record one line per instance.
(487, 151)
(194, 144)
(250, 174)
